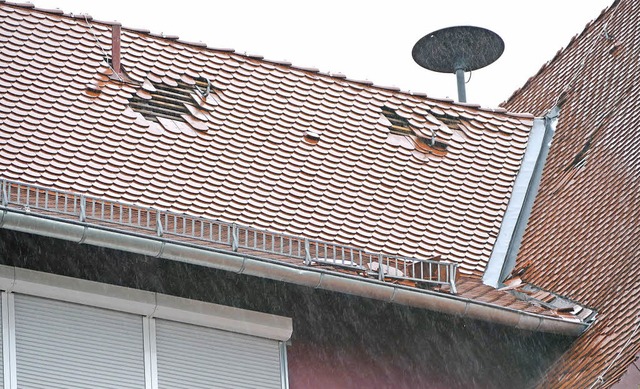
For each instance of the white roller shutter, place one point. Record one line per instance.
(65, 345)
(3, 338)
(195, 357)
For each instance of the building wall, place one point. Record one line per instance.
(339, 341)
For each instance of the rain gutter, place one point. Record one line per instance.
(84, 233)
(525, 189)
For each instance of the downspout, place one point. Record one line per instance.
(525, 189)
(295, 274)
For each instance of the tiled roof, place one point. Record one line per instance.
(210, 133)
(583, 237)
(247, 152)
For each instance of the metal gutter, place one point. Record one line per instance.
(81, 232)
(525, 189)
(225, 236)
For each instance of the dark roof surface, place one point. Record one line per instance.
(583, 237)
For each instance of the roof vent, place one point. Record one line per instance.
(457, 50)
(431, 145)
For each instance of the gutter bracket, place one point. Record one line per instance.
(393, 295)
(234, 237)
(5, 199)
(307, 252)
(83, 208)
(84, 234)
(159, 230)
(319, 281)
(244, 264)
(162, 244)
(466, 309)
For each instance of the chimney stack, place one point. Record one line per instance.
(115, 49)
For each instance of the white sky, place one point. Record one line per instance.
(369, 40)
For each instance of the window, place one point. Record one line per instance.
(58, 344)
(68, 333)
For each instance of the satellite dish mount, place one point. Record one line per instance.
(458, 50)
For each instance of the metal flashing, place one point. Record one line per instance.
(525, 188)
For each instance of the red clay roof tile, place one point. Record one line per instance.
(239, 154)
(582, 238)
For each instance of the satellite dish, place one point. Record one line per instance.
(457, 50)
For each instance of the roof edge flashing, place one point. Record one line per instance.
(525, 189)
(316, 278)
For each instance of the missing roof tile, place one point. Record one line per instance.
(449, 121)
(312, 137)
(399, 125)
(169, 102)
(581, 157)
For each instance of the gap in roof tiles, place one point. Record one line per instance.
(581, 157)
(401, 134)
(312, 137)
(399, 125)
(159, 100)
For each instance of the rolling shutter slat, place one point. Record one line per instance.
(190, 356)
(65, 345)
(1, 349)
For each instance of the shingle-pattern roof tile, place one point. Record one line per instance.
(240, 154)
(583, 236)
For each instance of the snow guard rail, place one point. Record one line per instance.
(222, 236)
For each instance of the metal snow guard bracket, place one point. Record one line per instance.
(219, 235)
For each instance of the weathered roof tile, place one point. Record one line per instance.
(240, 154)
(583, 236)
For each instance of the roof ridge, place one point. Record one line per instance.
(285, 63)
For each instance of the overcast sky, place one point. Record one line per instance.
(369, 40)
